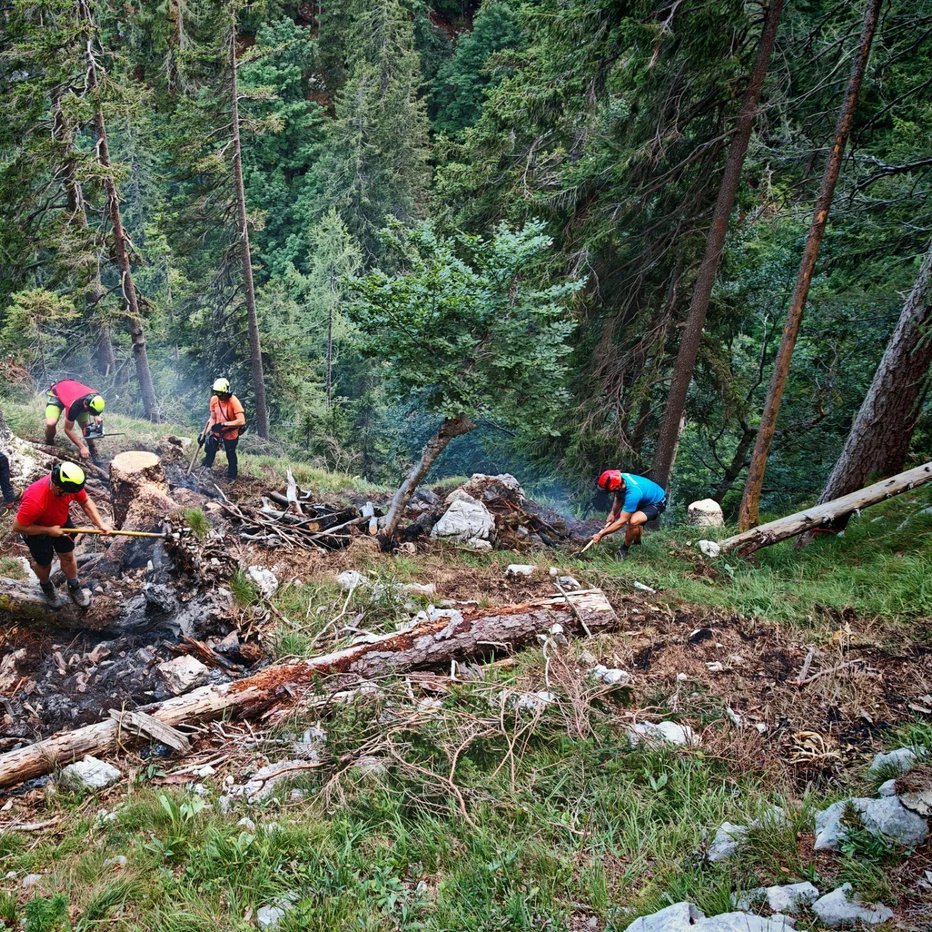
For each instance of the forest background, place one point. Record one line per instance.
(570, 149)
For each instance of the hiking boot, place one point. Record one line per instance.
(81, 597)
(50, 593)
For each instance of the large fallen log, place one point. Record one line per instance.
(826, 514)
(423, 645)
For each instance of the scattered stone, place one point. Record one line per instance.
(734, 717)
(520, 569)
(247, 825)
(554, 571)
(789, 898)
(898, 761)
(264, 580)
(268, 917)
(673, 918)
(261, 785)
(716, 666)
(532, 702)
(119, 862)
(842, 908)
(350, 580)
(198, 789)
(744, 922)
(728, 839)
(311, 743)
(648, 589)
(588, 658)
(466, 521)
(29, 881)
(610, 676)
(710, 549)
(570, 583)
(90, 773)
(419, 588)
(662, 732)
(297, 795)
(183, 673)
(886, 817)
(705, 513)
(887, 789)
(205, 772)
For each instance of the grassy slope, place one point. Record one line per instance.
(560, 820)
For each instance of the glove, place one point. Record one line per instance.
(201, 439)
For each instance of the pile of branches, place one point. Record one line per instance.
(294, 520)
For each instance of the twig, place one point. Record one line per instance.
(805, 669)
(573, 609)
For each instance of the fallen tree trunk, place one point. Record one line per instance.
(825, 514)
(428, 644)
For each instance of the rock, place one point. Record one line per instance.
(842, 908)
(532, 702)
(895, 762)
(466, 521)
(205, 772)
(887, 789)
(247, 825)
(183, 673)
(265, 580)
(644, 588)
(886, 817)
(588, 658)
(311, 743)
(610, 676)
(570, 583)
(90, 773)
(673, 918)
(268, 917)
(29, 881)
(520, 569)
(705, 513)
(710, 548)
(119, 862)
(789, 898)
(662, 732)
(419, 588)
(744, 922)
(728, 839)
(351, 580)
(261, 785)
(915, 790)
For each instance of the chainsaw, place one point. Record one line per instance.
(96, 432)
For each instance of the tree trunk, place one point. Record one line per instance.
(430, 644)
(450, 428)
(176, 44)
(330, 348)
(750, 502)
(695, 321)
(134, 317)
(255, 347)
(827, 514)
(738, 462)
(883, 428)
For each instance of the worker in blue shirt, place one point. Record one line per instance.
(637, 501)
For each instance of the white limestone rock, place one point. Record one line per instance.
(888, 788)
(842, 908)
(886, 817)
(662, 733)
(610, 676)
(183, 673)
(710, 548)
(90, 773)
(517, 570)
(896, 762)
(673, 918)
(466, 521)
(705, 513)
(264, 580)
(744, 922)
(569, 583)
(788, 898)
(350, 580)
(728, 839)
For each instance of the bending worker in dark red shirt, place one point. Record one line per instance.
(43, 519)
(637, 501)
(80, 404)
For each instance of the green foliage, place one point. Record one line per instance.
(47, 914)
(496, 338)
(244, 589)
(197, 521)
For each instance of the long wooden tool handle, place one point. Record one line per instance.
(94, 530)
(197, 448)
(591, 542)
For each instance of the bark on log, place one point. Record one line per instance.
(827, 513)
(431, 643)
(23, 601)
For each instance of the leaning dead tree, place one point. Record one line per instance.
(430, 643)
(827, 514)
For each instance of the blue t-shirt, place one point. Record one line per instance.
(641, 491)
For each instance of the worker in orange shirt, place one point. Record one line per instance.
(226, 422)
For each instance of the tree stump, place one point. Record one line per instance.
(130, 473)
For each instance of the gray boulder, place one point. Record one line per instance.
(728, 839)
(886, 817)
(264, 580)
(466, 521)
(90, 773)
(350, 579)
(898, 761)
(842, 908)
(661, 733)
(705, 513)
(673, 918)
(788, 898)
(887, 789)
(183, 673)
(744, 922)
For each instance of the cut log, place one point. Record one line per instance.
(825, 514)
(130, 472)
(22, 600)
(431, 643)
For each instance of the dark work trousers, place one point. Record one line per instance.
(212, 445)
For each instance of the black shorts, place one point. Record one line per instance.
(654, 511)
(43, 546)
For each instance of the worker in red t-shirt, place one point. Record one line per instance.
(43, 519)
(226, 420)
(80, 403)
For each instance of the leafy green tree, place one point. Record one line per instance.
(466, 332)
(37, 329)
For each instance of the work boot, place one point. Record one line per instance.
(51, 596)
(80, 596)
(50, 434)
